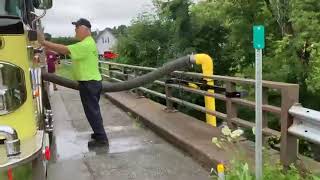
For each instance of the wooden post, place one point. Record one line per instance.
(99, 64)
(108, 70)
(232, 109)
(137, 91)
(289, 143)
(123, 70)
(169, 104)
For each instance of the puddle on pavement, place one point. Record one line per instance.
(73, 145)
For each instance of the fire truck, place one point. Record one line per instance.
(25, 114)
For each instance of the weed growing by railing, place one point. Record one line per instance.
(239, 168)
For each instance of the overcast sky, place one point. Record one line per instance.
(101, 14)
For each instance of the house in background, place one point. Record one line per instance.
(105, 41)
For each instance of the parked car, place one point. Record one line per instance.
(109, 55)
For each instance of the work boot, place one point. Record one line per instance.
(93, 136)
(98, 144)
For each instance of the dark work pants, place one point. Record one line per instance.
(90, 95)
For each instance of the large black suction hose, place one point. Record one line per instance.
(166, 69)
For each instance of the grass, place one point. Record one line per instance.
(64, 70)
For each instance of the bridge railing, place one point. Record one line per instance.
(289, 94)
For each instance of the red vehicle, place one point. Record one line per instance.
(109, 55)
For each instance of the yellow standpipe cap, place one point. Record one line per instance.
(220, 168)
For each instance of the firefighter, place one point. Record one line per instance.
(84, 56)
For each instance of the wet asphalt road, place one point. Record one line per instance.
(135, 152)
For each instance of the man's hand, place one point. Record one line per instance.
(40, 37)
(59, 48)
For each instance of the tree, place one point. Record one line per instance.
(223, 29)
(119, 30)
(47, 36)
(145, 43)
(64, 40)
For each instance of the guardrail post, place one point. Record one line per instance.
(136, 90)
(169, 103)
(99, 65)
(109, 69)
(232, 109)
(106, 72)
(123, 70)
(289, 143)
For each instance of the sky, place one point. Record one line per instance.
(101, 14)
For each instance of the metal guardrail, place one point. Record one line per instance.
(306, 123)
(289, 96)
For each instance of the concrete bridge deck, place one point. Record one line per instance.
(135, 151)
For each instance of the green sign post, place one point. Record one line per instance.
(258, 44)
(258, 37)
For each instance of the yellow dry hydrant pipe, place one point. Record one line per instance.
(220, 171)
(207, 69)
